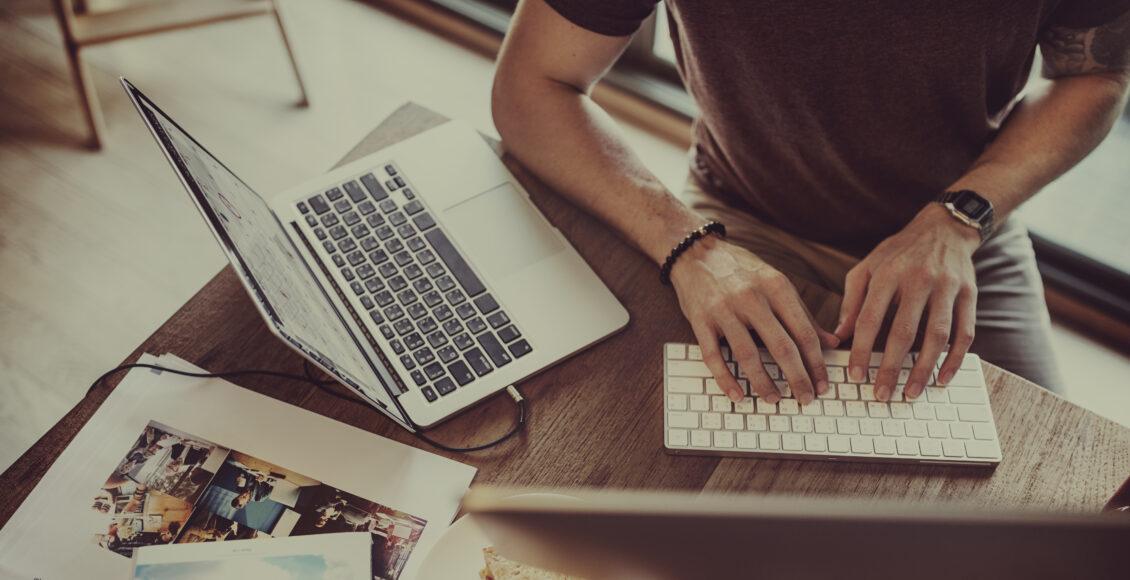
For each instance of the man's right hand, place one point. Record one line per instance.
(725, 291)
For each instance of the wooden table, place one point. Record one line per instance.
(596, 418)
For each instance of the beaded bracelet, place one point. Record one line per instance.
(711, 227)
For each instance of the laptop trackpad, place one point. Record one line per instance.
(501, 231)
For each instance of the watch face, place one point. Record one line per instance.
(971, 205)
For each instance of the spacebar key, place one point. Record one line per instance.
(458, 266)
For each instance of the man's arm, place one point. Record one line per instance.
(927, 268)
(542, 109)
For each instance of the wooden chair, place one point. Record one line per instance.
(82, 29)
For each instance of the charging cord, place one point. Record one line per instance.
(309, 376)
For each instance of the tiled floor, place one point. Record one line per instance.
(97, 249)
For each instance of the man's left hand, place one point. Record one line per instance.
(927, 271)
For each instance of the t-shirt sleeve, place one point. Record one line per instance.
(1087, 13)
(607, 17)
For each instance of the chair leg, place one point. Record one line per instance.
(304, 101)
(88, 96)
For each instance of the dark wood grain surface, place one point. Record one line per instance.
(595, 419)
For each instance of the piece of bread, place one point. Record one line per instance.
(499, 568)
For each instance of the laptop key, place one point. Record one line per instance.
(302, 207)
(399, 181)
(369, 244)
(408, 193)
(402, 258)
(365, 271)
(498, 319)
(354, 191)
(406, 360)
(334, 194)
(509, 333)
(416, 244)
(442, 312)
(486, 303)
(374, 186)
(463, 341)
(445, 283)
(319, 205)
(403, 326)
(329, 246)
(338, 232)
(311, 221)
(453, 327)
(495, 350)
(383, 298)
(425, 257)
(357, 288)
(390, 185)
(432, 298)
(356, 258)
(418, 378)
(429, 394)
(445, 386)
(397, 283)
(320, 233)
(428, 325)
(390, 169)
(407, 297)
(412, 271)
(478, 361)
(338, 260)
(387, 206)
(455, 297)
(397, 346)
(414, 341)
(374, 285)
(366, 207)
(347, 273)
(406, 231)
(387, 269)
(386, 330)
(434, 370)
(375, 220)
(476, 325)
(465, 311)
(394, 246)
(394, 312)
(377, 256)
(447, 354)
(434, 270)
(397, 218)
(347, 245)
(437, 339)
(367, 302)
(359, 231)
(424, 221)
(342, 206)
(330, 219)
(425, 356)
(376, 316)
(413, 207)
(422, 286)
(520, 349)
(460, 372)
(351, 218)
(455, 262)
(417, 310)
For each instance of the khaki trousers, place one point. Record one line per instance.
(1013, 327)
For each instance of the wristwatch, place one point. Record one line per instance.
(970, 209)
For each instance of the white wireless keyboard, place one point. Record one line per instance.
(951, 424)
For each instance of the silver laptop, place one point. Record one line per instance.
(421, 276)
(669, 536)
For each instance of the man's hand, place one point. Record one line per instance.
(927, 271)
(725, 291)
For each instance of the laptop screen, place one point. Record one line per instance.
(257, 246)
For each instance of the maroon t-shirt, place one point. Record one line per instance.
(838, 121)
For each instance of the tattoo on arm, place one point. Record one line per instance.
(1073, 51)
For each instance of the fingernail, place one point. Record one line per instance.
(735, 396)
(913, 390)
(822, 387)
(772, 398)
(945, 377)
(882, 393)
(855, 374)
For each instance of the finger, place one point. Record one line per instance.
(937, 334)
(963, 330)
(784, 350)
(899, 340)
(749, 359)
(867, 326)
(855, 290)
(712, 355)
(792, 313)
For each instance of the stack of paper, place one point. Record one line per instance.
(169, 459)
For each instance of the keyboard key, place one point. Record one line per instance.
(860, 444)
(399, 181)
(983, 431)
(769, 441)
(723, 439)
(884, 446)
(442, 312)
(678, 438)
(334, 194)
(816, 443)
(380, 257)
(383, 298)
(330, 219)
(792, 442)
(982, 449)
(313, 222)
(343, 206)
(508, 334)
(366, 207)
(418, 378)
(747, 440)
(397, 218)
(407, 361)
(402, 258)
(375, 220)
(461, 372)
(915, 429)
(520, 348)
(338, 260)
(364, 271)
(447, 354)
(961, 431)
(434, 270)
(347, 273)
(445, 386)
(964, 396)
(908, 447)
(476, 325)
(405, 231)
(753, 422)
(455, 297)
(721, 404)
(390, 169)
(412, 271)
(434, 370)
(945, 413)
(417, 310)
(433, 298)
(367, 303)
(477, 360)
(374, 186)
(347, 245)
(386, 331)
(429, 394)
(951, 448)
(394, 312)
(779, 423)
(387, 206)
(357, 288)
(383, 232)
(414, 341)
(463, 341)
(766, 408)
(424, 221)
(319, 205)
(354, 191)
(455, 262)
(408, 193)
(438, 339)
(498, 319)
(688, 385)
(494, 349)
(486, 304)
(398, 348)
(700, 438)
(930, 448)
(428, 325)
(397, 283)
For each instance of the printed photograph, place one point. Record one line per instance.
(140, 517)
(171, 462)
(208, 527)
(296, 567)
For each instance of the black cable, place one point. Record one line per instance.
(309, 376)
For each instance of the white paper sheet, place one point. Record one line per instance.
(53, 534)
(343, 556)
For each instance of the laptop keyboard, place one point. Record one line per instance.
(951, 424)
(425, 300)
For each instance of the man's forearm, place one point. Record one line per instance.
(574, 146)
(1044, 137)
